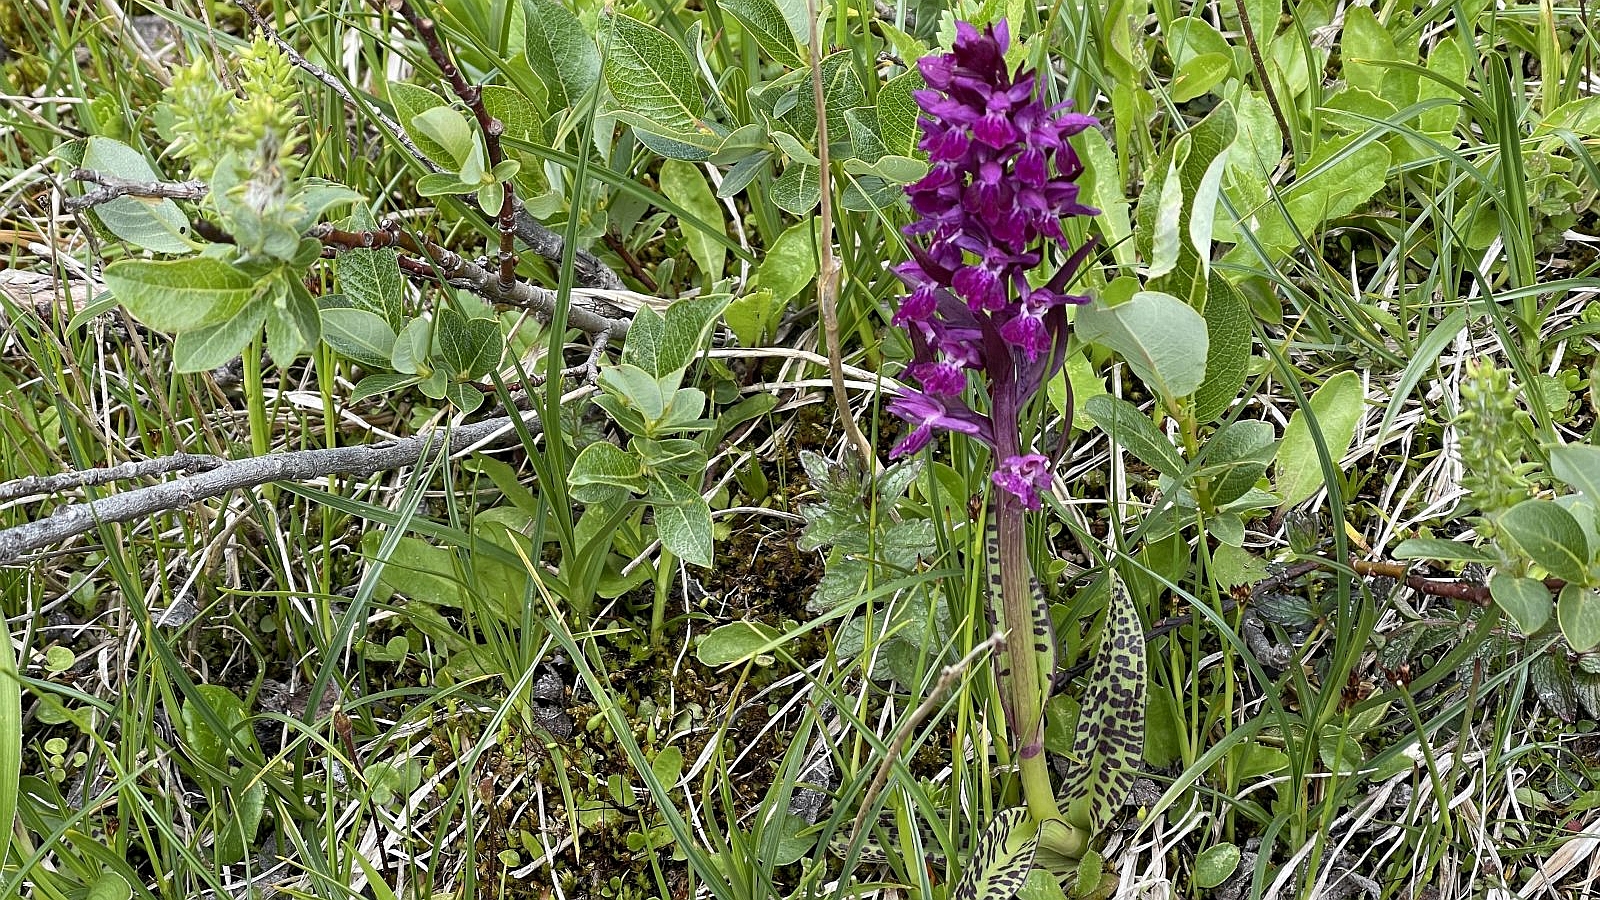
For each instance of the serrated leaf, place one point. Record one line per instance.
(1338, 406)
(1134, 431)
(1001, 858)
(1110, 740)
(180, 294)
(372, 281)
(685, 185)
(410, 101)
(1228, 349)
(154, 224)
(559, 51)
(765, 22)
(1550, 536)
(649, 74)
(1526, 600)
(1162, 339)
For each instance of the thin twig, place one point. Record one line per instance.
(189, 463)
(302, 465)
(588, 268)
(112, 187)
(461, 272)
(1261, 72)
(828, 269)
(948, 676)
(472, 96)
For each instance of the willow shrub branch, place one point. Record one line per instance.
(591, 272)
(242, 474)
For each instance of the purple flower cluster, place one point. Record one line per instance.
(1001, 181)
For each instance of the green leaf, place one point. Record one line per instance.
(469, 347)
(604, 463)
(685, 331)
(1337, 179)
(1337, 406)
(1525, 600)
(205, 348)
(200, 740)
(293, 324)
(10, 744)
(649, 74)
(1365, 44)
(383, 383)
(898, 112)
(109, 886)
(153, 224)
(1215, 864)
(673, 456)
(1199, 75)
(752, 316)
(412, 348)
(796, 190)
(448, 130)
(410, 101)
(559, 51)
(1228, 349)
(1165, 208)
(1578, 466)
(683, 520)
(1110, 737)
(765, 22)
(1134, 432)
(685, 185)
(790, 265)
(735, 642)
(1549, 536)
(1579, 613)
(1443, 551)
(180, 294)
(520, 117)
(1237, 456)
(1001, 859)
(1162, 339)
(372, 281)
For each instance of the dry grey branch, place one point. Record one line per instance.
(232, 475)
(111, 187)
(190, 463)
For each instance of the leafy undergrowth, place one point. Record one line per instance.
(1331, 422)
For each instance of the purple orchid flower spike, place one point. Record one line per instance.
(988, 213)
